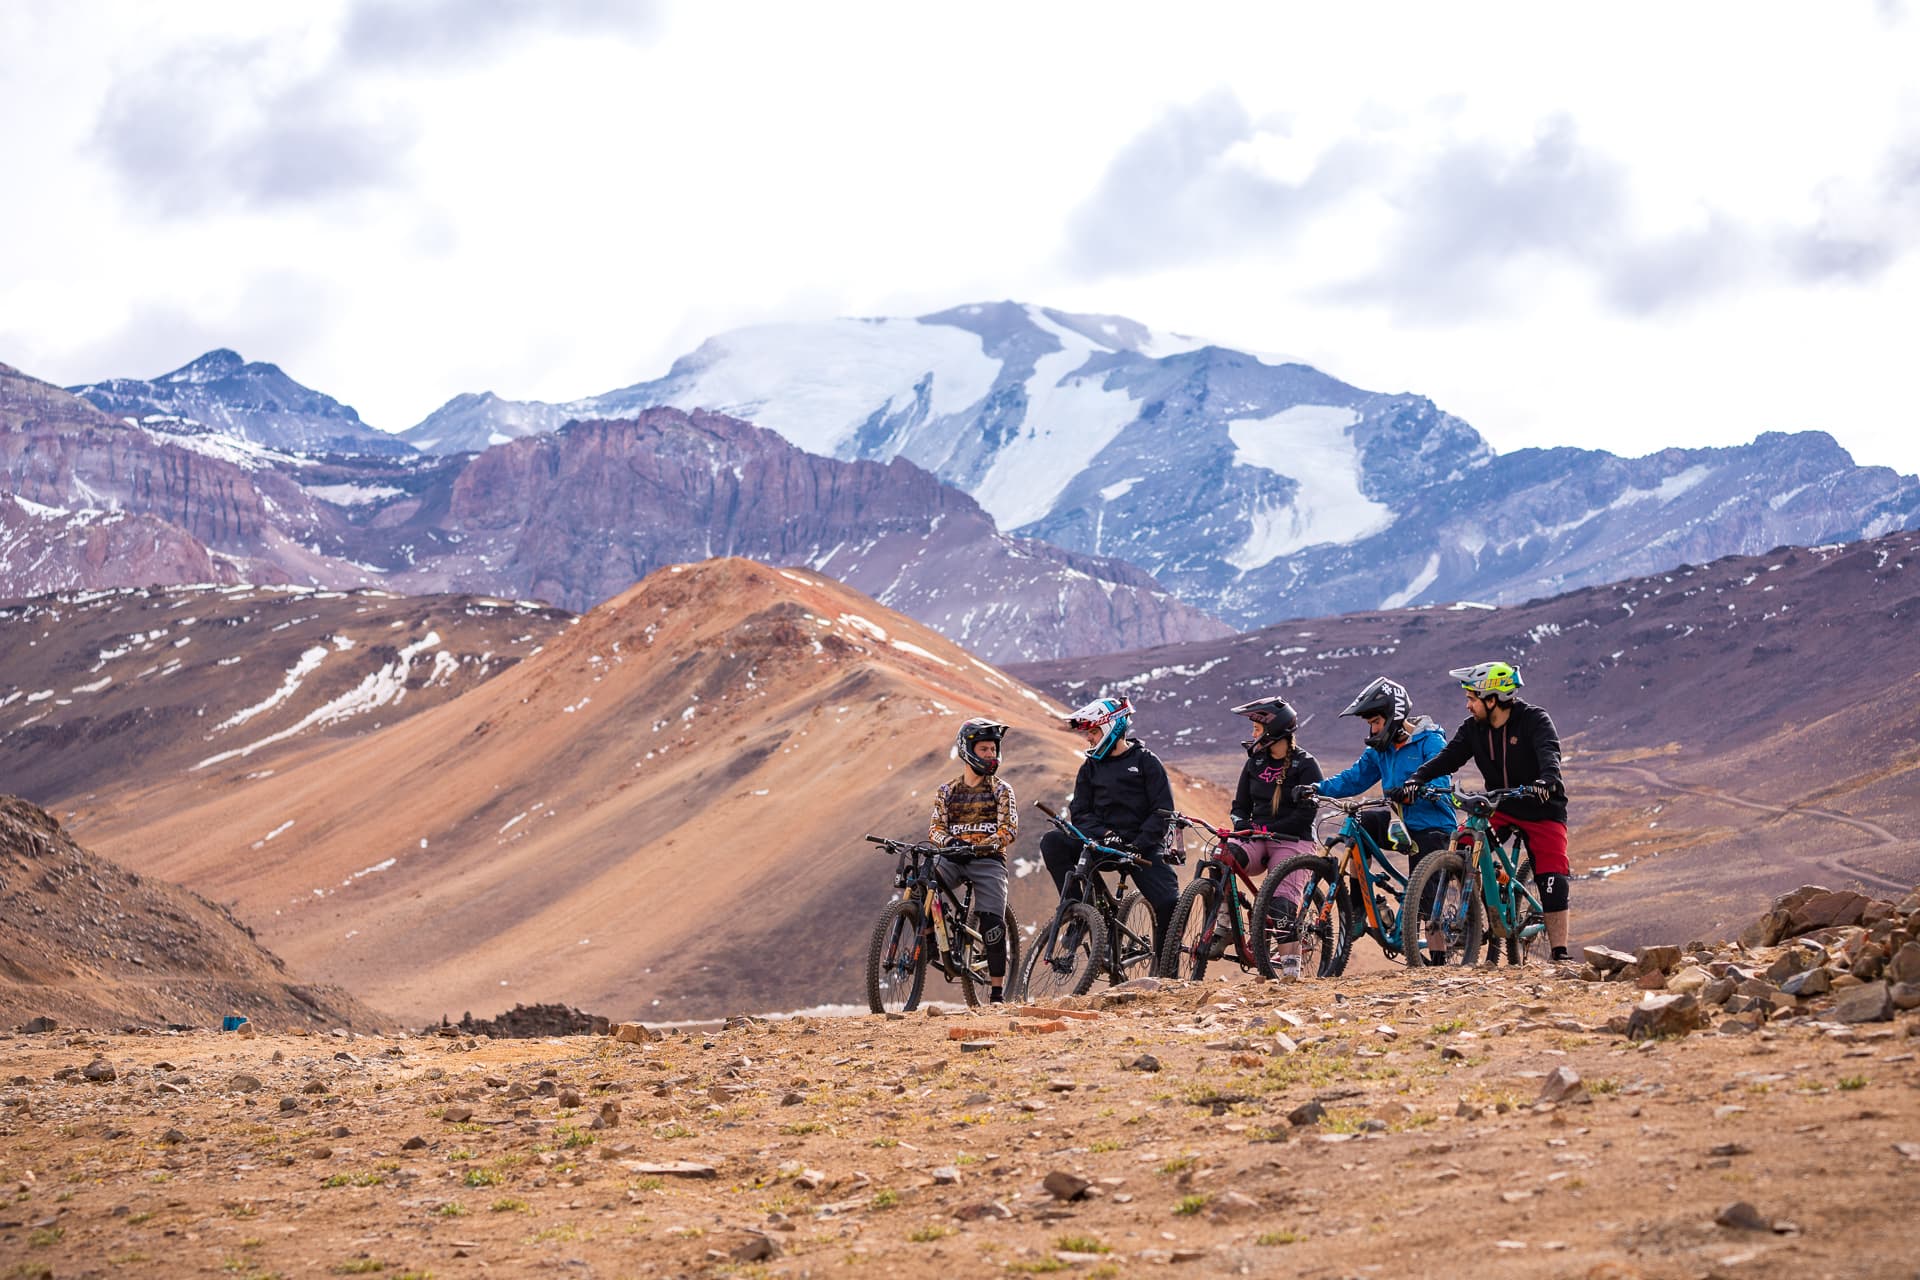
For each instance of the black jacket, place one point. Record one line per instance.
(1525, 749)
(1268, 798)
(1120, 794)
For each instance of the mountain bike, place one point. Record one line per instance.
(1351, 889)
(928, 924)
(1092, 930)
(1481, 886)
(1214, 914)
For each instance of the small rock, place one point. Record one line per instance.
(243, 1083)
(1305, 1114)
(173, 1137)
(1232, 1204)
(1563, 1085)
(570, 1098)
(757, 1246)
(792, 1098)
(1741, 1216)
(415, 1143)
(976, 1212)
(1061, 1086)
(1690, 979)
(634, 1033)
(1904, 967)
(1660, 959)
(1606, 959)
(40, 1026)
(1869, 1002)
(1062, 1185)
(975, 1046)
(1808, 983)
(457, 1115)
(946, 1176)
(1905, 995)
(1145, 1062)
(1673, 1014)
(100, 1071)
(289, 1104)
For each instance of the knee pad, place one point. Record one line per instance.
(1554, 892)
(994, 931)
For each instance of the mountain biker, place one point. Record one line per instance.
(1121, 793)
(1275, 797)
(1515, 745)
(975, 812)
(1398, 743)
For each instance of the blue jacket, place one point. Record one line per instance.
(1391, 768)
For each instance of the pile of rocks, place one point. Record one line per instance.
(1835, 956)
(527, 1022)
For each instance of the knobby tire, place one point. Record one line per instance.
(1045, 976)
(896, 960)
(1185, 956)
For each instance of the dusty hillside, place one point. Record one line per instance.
(658, 813)
(140, 685)
(1480, 1122)
(1737, 727)
(85, 942)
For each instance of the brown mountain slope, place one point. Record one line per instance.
(85, 942)
(1738, 727)
(139, 686)
(663, 806)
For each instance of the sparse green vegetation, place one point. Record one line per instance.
(452, 1209)
(1271, 1238)
(1187, 1206)
(886, 1198)
(1081, 1244)
(929, 1233)
(482, 1178)
(1850, 1083)
(508, 1204)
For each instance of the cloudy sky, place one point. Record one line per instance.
(1623, 225)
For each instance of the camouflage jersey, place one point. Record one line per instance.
(982, 815)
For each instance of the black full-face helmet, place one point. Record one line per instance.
(971, 735)
(1274, 719)
(1386, 698)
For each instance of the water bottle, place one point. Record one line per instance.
(1398, 836)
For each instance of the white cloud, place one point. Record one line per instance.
(554, 200)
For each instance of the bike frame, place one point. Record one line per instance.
(1356, 865)
(941, 908)
(1086, 873)
(1493, 864)
(1231, 897)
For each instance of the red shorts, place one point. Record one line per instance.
(1546, 841)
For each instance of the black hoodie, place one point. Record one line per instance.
(1526, 749)
(1120, 793)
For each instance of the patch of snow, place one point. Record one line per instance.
(1069, 420)
(1310, 444)
(353, 495)
(1119, 489)
(918, 652)
(1421, 581)
(308, 663)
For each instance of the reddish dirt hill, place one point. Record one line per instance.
(1737, 727)
(85, 942)
(659, 814)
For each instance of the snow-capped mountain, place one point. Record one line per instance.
(1253, 486)
(571, 517)
(254, 401)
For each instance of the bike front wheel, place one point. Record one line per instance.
(1441, 902)
(1312, 920)
(897, 960)
(1188, 939)
(1066, 957)
(1132, 940)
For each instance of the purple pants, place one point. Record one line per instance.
(1255, 856)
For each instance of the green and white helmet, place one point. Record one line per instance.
(1496, 680)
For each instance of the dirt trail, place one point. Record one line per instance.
(1881, 836)
(878, 1147)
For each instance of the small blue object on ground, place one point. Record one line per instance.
(233, 1022)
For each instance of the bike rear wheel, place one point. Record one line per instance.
(1314, 921)
(1066, 957)
(896, 960)
(1453, 911)
(1132, 940)
(1186, 951)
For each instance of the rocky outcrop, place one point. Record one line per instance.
(251, 400)
(84, 941)
(46, 549)
(578, 515)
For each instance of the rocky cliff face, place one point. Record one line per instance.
(576, 516)
(49, 549)
(251, 400)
